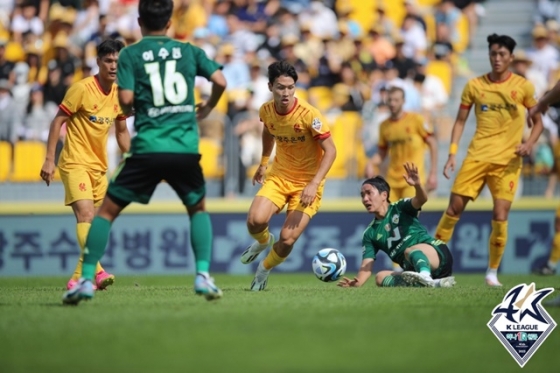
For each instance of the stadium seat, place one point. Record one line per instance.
(443, 70)
(462, 25)
(28, 160)
(5, 160)
(362, 12)
(395, 11)
(321, 97)
(211, 158)
(302, 93)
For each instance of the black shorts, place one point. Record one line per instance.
(445, 268)
(138, 175)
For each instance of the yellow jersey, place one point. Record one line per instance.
(500, 110)
(405, 141)
(92, 112)
(298, 154)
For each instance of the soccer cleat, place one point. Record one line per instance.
(104, 279)
(83, 290)
(261, 278)
(255, 249)
(445, 282)
(416, 279)
(204, 285)
(545, 270)
(493, 281)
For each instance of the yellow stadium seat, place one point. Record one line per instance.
(321, 97)
(430, 27)
(442, 70)
(462, 25)
(428, 2)
(395, 11)
(302, 93)
(362, 12)
(211, 158)
(5, 160)
(28, 160)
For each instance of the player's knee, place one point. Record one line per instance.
(500, 214)
(287, 241)
(85, 215)
(199, 207)
(256, 223)
(455, 208)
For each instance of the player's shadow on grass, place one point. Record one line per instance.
(53, 304)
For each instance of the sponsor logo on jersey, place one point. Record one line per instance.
(316, 124)
(395, 219)
(520, 322)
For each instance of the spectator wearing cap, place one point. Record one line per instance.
(63, 58)
(8, 130)
(405, 65)
(362, 62)
(235, 69)
(27, 21)
(322, 20)
(380, 48)
(345, 44)
(543, 55)
(258, 86)
(309, 47)
(343, 13)
(415, 40)
(288, 53)
(37, 72)
(6, 67)
(522, 65)
(38, 116)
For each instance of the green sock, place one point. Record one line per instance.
(394, 281)
(420, 261)
(201, 240)
(95, 246)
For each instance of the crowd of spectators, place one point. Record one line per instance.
(347, 53)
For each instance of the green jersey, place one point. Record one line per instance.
(397, 231)
(161, 73)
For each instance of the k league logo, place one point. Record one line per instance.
(521, 323)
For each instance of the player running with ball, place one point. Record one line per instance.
(395, 230)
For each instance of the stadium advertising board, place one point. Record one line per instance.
(159, 244)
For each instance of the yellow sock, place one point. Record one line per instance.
(445, 227)
(497, 243)
(262, 237)
(555, 252)
(272, 260)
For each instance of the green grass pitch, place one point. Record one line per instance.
(299, 324)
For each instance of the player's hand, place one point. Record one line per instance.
(309, 193)
(412, 178)
(47, 171)
(202, 110)
(431, 184)
(450, 164)
(347, 283)
(524, 149)
(259, 175)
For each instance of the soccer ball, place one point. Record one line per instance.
(329, 265)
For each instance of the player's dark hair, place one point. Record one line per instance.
(155, 14)
(281, 68)
(502, 40)
(380, 184)
(394, 89)
(109, 46)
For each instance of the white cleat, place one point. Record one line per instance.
(255, 249)
(83, 290)
(493, 281)
(445, 282)
(416, 279)
(261, 278)
(204, 285)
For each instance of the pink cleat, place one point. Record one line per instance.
(71, 283)
(104, 279)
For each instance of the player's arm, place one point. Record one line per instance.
(456, 133)
(47, 171)
(376, 160)
(329, 154)
(413, 179)
(535, 119)
(364, 273)
(122, 135)
(219, 85)
(126, 100)
(267, 146)
(431, 141)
